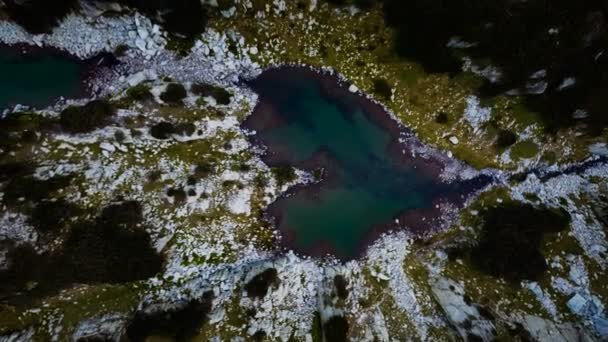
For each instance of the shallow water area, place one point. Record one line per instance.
(370, 183)
(35, 77)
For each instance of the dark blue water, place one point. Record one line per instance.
(36, 80)
(366, 183)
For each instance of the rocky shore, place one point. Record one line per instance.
(202, 193)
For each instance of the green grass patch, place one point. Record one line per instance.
(524, 150)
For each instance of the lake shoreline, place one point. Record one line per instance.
(89, 69)
(404, 148)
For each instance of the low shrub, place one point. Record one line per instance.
(94, 114)
(180, 324)
(284, 174)
(336, 329)
(51, 216)
(221, 95)
(162, 130)
(174, 94)
(140, 92)
(340, 283)
(442, 118)
(258, 286)
(505, 139)
(510, 242)
(32, 189)
(382, 88)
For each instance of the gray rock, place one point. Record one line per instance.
(577, 304)
(108, 328)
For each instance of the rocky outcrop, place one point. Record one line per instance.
(106, 328)
(465, 317)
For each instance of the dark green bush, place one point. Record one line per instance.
(162, 130)
(114, 248)
(284, 174)
(221, 95)
(180, 324)
(510, 242)
(39, 16)
(51, 216)
(185, 129)
(14, 170)
(258, 286)
(174, 94)
(505, 139)
(340, 283)
(178, 194)
(442, 118)
(336, 329)
(140, 92)
(86, 118)
(31, 189)
(382, 88)
(205, 168)
(121, 50)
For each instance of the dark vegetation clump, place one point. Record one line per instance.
(516, 37)
(162, 130)
(24, 121)
(231, 184)
(442, 118)
(259, 336)
(10, 171)
(28, 188)
(39, 16)
(50, 216)
(112, 248)
(17, 129)
(185, 19)
(283, 174)
(81, 119)
(154, 176)
(382, 88)
(506, 138)
(174, 94)
(511, 237)
(600, 208)
(185, 129)
(341, 286)
(25, 266)
(140, 92)
(241, 167)
(178, 194)
(221, 95)
(121, 50)
(362, 4)
(258, 286)
(205, 168)
(336, 329)
(179, 324)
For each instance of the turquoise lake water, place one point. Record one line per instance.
(365, 186)
(38, 79)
